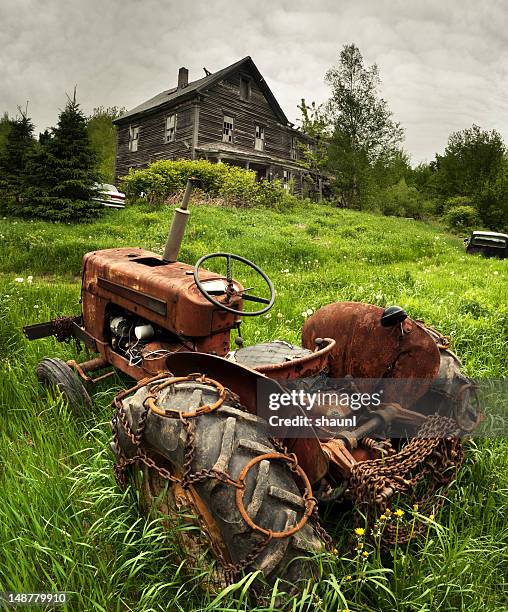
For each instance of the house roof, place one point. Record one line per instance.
(175, 94)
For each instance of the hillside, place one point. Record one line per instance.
(65, 526)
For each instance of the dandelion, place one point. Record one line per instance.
(399, 513)
(348, 578)
(388, 512)
(365, 554)
(360, 531)
(383, 517)
(19, 279)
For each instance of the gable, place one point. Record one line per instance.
(169, 97)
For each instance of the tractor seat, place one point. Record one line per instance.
(267, 353)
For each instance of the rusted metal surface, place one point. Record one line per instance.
(310, 365)
(151, 402)
(156, 285)
(61, 328)
(310, 502)
(98, 363)
(365, 349)
(434, 456)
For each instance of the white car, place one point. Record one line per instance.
(110, 196)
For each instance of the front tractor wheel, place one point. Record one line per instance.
(208, 456)
(55, 373)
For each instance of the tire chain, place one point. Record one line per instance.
(435, 451)
(231, 570)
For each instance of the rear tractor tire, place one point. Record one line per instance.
(55, 373)
(224, 440)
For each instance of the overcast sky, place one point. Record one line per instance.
(443, 64)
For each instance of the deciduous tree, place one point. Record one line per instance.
(364, 131)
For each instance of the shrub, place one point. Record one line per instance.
(455, 202)
(400, 200)
(461, 217)
(236, 186)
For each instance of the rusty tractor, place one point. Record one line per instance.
(189, 435)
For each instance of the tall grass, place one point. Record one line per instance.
(64, 525)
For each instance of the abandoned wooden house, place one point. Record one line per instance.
(227, 116)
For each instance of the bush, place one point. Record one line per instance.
(400, 200)
(461, 217)
(236, 186)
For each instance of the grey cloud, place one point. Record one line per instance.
(443, 64)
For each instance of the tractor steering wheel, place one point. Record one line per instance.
(230, 290)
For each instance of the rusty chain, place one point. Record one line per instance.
(433, 453)
(189, 478)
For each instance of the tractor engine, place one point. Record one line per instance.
(140, 308)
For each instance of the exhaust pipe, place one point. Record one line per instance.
(177, 230)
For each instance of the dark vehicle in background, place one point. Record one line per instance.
(488, 244)
(109, 195)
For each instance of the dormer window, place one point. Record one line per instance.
(133, 138)
(170, 132)
(259, 142)
(244, 89)
(227, 129)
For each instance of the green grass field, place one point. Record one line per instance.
(64, 525)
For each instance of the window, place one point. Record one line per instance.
(227, 129)
(244, 89)
(286, 178)
(133, 138)
(294, 148)
(259, 142)
(170, 132)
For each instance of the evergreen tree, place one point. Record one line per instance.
(18, 144)
(5, 128)
(63, 171)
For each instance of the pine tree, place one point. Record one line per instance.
(18, 144)
(63, 171)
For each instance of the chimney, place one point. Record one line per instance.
(183, 77)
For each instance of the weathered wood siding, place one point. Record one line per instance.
(151, 144)
(224, 99)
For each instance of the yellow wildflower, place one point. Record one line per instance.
(334, 551)
(349, 577)
(360, 531)
(432, 517)
(388, 512)
(399, 513)
(383, 517)
(365, 553)
(360, 544)
(415, 507)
